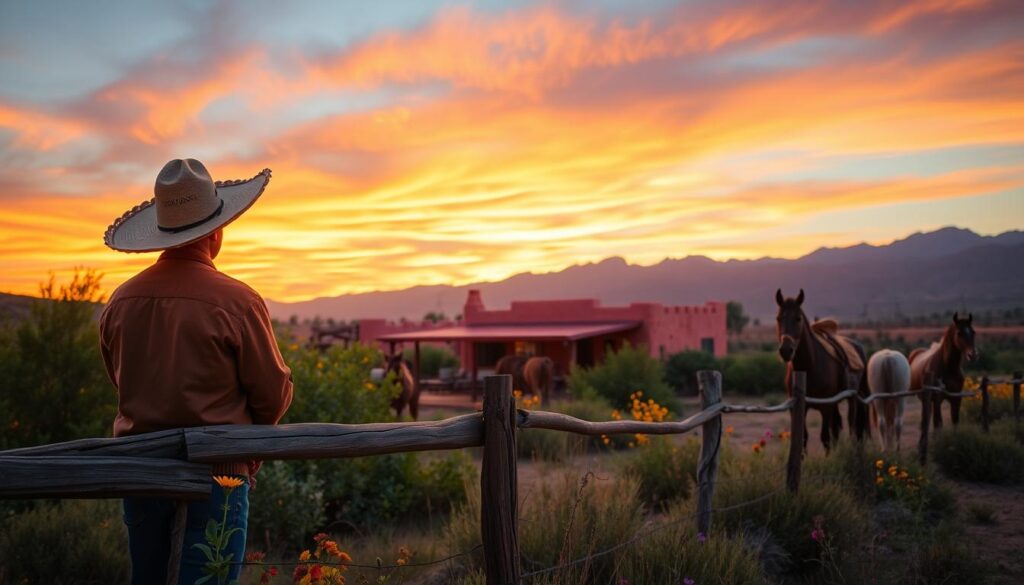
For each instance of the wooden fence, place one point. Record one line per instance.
(177, 463)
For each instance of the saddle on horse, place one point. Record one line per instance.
(838, 347)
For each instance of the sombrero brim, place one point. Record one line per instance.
(137, 231)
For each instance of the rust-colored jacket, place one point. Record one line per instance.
(186, 345)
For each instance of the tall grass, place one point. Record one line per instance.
(969, 453)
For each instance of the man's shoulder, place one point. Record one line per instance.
(209, 286)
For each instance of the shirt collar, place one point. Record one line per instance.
(186, 253)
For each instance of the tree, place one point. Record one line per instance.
(735, 318)
(435, 317)
(53, 386)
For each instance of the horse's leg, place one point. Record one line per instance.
(806, 436)
(937, 413)
(827, 412)
(899, 421)
(837, 425)
(883, 425)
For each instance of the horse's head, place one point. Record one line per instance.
(789, 323)
(963, 336)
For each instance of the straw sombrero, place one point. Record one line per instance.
(187, 206)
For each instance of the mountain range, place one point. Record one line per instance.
(947, 269)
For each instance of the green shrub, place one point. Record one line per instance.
(287, 505)
(335, 386)
(53, 386)
(74, 541)
(756, 373)
(981, 514)
(432, 359)
(968, 453)
(621, 374)
(681, 369)
(665, 469)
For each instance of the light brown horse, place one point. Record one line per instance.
(410, 394)
(529, 374)
(944, 360)
(803, 351)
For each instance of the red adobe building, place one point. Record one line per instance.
(568, 331)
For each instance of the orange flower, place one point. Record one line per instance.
(728, 430)
(228, 483)
(304, 556)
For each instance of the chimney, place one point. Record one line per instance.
(474, 304)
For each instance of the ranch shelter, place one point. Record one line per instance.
(579, 331)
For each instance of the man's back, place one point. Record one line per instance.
(186, 345)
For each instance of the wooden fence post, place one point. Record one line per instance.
(797, 418)
(498, 511)
(984, 403)
(709, 384)
(1016, 395)
(177, 542)
(926, 418)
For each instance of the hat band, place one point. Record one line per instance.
(195, 223)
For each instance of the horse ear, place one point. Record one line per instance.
(956, 317)
(778, 297)
(800, 297)
(970, 318)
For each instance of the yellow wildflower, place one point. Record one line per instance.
(304, 556)
(879, 464)
(228, 483)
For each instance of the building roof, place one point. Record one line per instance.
(514, 332)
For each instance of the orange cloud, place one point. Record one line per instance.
(555, 139)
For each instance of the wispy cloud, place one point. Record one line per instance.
(483, 143)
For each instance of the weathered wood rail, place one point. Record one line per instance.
(177, 463)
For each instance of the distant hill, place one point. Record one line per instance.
(14, 307)
(947, 269)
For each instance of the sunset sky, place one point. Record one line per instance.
(429, 142)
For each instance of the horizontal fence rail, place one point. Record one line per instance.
(177, 463)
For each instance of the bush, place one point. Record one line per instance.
(754, 374)
(946, 558)
(74, 541)
(53, 386)
(681, 369)
(624, 372)
(287, 505)
(432, 359)
(335, 386)
(968, 453)
(665, 469)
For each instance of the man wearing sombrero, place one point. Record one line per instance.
(186, 345)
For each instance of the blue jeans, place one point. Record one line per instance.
(150, 520)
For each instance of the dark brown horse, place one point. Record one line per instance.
(529, 374)
(410, 394)
(803, 350)
(944, 360)
(539, 373)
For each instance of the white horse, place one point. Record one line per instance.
(888, 372)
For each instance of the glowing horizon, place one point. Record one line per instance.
(440, 144)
